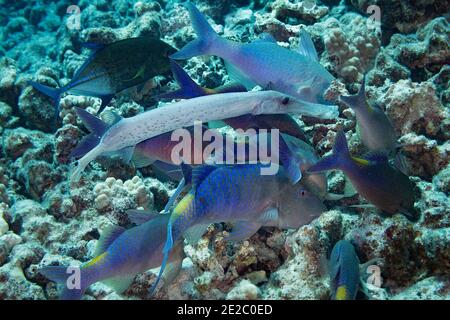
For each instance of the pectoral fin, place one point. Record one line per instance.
(194, 234)
(243, 230)
(126, 154)
(141, 216)
(289, 161)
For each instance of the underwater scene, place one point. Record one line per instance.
(211, 150)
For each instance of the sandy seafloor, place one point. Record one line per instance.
(44, 220)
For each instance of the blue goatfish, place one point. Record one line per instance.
(189, 89)
(120, 255)
(373, 177)
(123, 135)
(239, 194)
(113, 68)
(262, 62)
(344, 271)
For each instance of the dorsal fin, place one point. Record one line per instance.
(266, 37)
(306, 46)
(230, 87)
(108, 236)
(141, 216)
(377, 157)
(92, 123)
(97, 128)
(200, 173)
(187, 173)
(358, 100)
(94, 46)
(111, 117)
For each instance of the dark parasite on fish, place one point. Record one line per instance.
(113, 68)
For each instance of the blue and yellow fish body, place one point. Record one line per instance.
(344, 271)
(120, 255)
(240, 194)
(226, 194)
(373, 177)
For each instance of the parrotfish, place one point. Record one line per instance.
(262, 62)
(189, 89)
(344, 271)
(113, 68)
(373, 177)
(239, 194)
(123, 135)
(120, 255)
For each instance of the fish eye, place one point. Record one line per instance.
(302, 192)
(285, 101)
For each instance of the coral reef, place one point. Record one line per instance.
(46, 219)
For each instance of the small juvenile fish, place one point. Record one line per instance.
(123, 135)
(373, 177)
(242, 195)
(344, 271)
(262, 62)
(189, 89)
(113, 68)
(120, 255)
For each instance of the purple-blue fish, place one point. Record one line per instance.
(262, 62)
(239, 194)
(344, 271)
(120, 255)
(373, 177)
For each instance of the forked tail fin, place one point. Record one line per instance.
(97, 128)
(337, 159)
(207, 42)
(188, 88)
(60, 275)
(53, 93)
